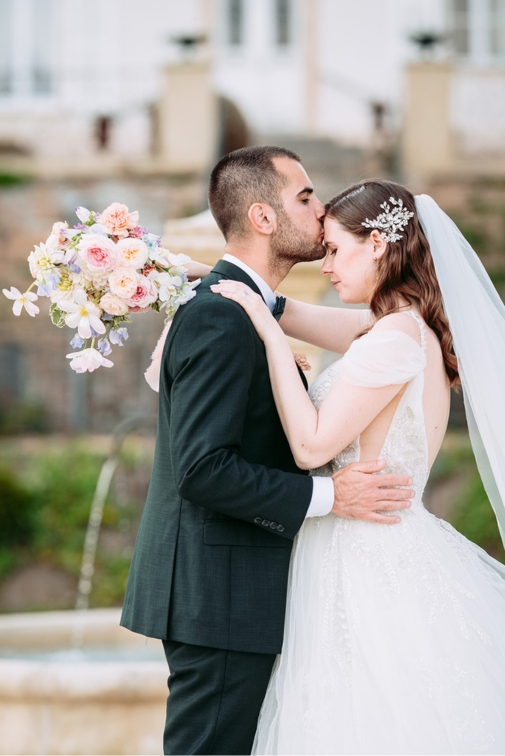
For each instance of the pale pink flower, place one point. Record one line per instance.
(113, 304)
(22, 300)
(88, 360)
(118, 220)
(123, 282)
(98, 253)
(59, 227)
(133, 252)
(82, 314)
(145, 294)
(152, 374)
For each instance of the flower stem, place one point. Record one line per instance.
(92, 343)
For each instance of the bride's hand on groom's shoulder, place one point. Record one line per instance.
(261, 317)
(361, 495)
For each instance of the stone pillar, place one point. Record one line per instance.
(188, 118)
(427, 139)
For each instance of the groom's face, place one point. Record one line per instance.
(299, 231)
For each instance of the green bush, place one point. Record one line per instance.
(60, 478)
(474, 518)
(17, 522)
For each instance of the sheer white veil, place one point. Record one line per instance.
(476, 317)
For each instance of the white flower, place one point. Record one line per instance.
(22, 300)
(82, 314)
(167, 285)
(88, 360)
(44, 257)
(82, 213)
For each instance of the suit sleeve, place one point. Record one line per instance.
(210, 363)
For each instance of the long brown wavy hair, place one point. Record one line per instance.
(406, 269)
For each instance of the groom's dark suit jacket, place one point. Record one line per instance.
(226, 499)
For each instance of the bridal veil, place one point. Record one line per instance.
(476, 317)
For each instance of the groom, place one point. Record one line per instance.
(210, 567)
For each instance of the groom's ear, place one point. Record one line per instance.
(262, 218)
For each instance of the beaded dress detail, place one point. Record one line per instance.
(394, 635)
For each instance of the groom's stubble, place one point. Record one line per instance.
(289, 245)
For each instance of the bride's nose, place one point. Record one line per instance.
(326, 266)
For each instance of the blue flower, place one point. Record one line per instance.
(94, 333)
(77, 342)
(116, 336)
(50, 284)
(104, 347)
(74, 268)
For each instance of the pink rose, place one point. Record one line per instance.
(98, 253)
(123, 282)
(118, 220)
(113, 304)
(133, 252)
(144, 296)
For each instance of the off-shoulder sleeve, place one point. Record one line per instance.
(382, 358)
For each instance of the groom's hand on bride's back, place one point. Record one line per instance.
(361, 495)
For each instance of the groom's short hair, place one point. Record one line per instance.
(242, 178)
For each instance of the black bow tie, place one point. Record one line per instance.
(280, 304)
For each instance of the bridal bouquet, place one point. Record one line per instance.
(99, 272)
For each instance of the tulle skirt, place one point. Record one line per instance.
(394, 643)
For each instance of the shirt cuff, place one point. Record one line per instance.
(322, 497)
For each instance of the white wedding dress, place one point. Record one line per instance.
(394, 635)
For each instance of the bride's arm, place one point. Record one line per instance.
(332, 328)
(314, 436)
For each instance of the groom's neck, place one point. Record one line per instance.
(259, 261)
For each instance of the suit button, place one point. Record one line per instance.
(281, 528)
(257, 520)
(266, 523)
(273, 525)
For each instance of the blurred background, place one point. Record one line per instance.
(134, 101)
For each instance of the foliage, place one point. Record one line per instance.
(24, 417)
(474, 517)
(471, 511)
(59, 484)
(16, 511)
(12, 179)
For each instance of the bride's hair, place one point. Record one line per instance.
(406, 268)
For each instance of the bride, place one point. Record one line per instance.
(394, 637)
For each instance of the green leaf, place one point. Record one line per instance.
(57, 316)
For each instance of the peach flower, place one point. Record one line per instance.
(133, 252)
(113, 304)
(118, 220)
(123, 282)
(144, 295)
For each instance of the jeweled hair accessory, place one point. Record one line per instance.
(391, 220)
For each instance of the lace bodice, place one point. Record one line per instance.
(379, 359)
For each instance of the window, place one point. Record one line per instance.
(5, 46)
(498, 27)
(282, 22)
(11, 372)
(478, 29)
(42, 47)
(26, 47)
(235, 22)
(461, 36)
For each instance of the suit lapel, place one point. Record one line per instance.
(227, 269)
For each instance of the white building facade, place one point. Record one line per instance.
(82, 77)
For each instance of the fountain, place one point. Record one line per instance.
(76, 682)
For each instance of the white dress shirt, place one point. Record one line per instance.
(321, 502)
